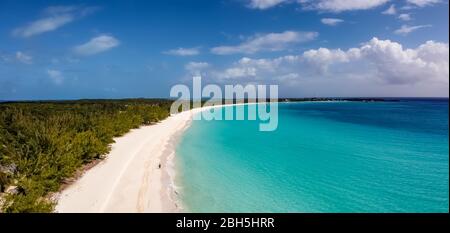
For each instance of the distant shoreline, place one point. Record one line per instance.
(363, 99)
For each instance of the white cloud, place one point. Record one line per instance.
(56, 76)
(97, 45)
(405, 17)
(43, 25)
(266, 42)
(422, 3)
(24, 58)
(405, 29)
(428, 62)
(390, 11)
(341, 5)
(377, 61)
(55, 17)
(183, 52)
(321, 5)
(264, 4)
(320, 59)
(331, 21)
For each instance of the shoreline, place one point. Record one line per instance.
(111, 185)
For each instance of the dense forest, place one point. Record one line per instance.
(44, 143)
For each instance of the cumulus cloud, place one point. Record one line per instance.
(390, 11)
(341, 5)
(55, 17)
(428, 62)
(264, 4)
(97, 45)
(381, 61)
(56, 76)
(266, 42)
(331, 21)
(405, 17)
(183, 52)
(319, 60)
(24, 58)
(405, 29)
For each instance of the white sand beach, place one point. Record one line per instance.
(135, 176)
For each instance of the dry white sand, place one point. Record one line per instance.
(129, 178)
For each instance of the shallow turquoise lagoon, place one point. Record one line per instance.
(323, 157)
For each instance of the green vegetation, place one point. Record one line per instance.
(44, 143)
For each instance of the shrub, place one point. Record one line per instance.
(49, 141)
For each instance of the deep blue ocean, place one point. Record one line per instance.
(324, 157)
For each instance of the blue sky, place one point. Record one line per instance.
(121, 49)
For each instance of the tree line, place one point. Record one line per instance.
(44, 143)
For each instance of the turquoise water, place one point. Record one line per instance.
(324, 157)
